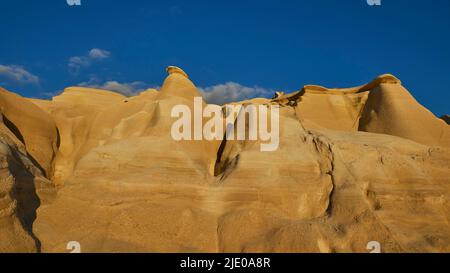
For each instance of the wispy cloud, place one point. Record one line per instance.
(233, 92)
(18, 74)
(124, 88)
(99, 54)
(216, 94)
(94, 55)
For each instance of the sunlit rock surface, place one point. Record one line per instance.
(353, 165)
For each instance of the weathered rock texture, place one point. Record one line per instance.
(353, 166)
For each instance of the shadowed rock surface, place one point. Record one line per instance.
(354, 165)
(446, 118)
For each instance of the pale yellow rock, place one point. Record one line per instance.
(33, 127)
(354, 165)
(28, 144)
(383, 106)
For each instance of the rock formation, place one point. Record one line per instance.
(354, 165)
(446, 118)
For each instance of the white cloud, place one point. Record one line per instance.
(97, 53)
(18, 74)
(78, 62)
(216, 94)
(126, 88)
(233, 92)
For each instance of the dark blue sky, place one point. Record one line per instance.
(279, 45)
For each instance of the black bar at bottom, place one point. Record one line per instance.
(229, 262)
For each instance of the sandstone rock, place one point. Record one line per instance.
(28, 144)
(32, 127)
(354, 165)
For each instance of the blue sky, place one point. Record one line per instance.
(235, 48)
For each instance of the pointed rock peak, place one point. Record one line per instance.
(383, 79)
(174, 69)
(178, 84)
(387, 78)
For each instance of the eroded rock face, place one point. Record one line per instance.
(28, 143)
(353, 165)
